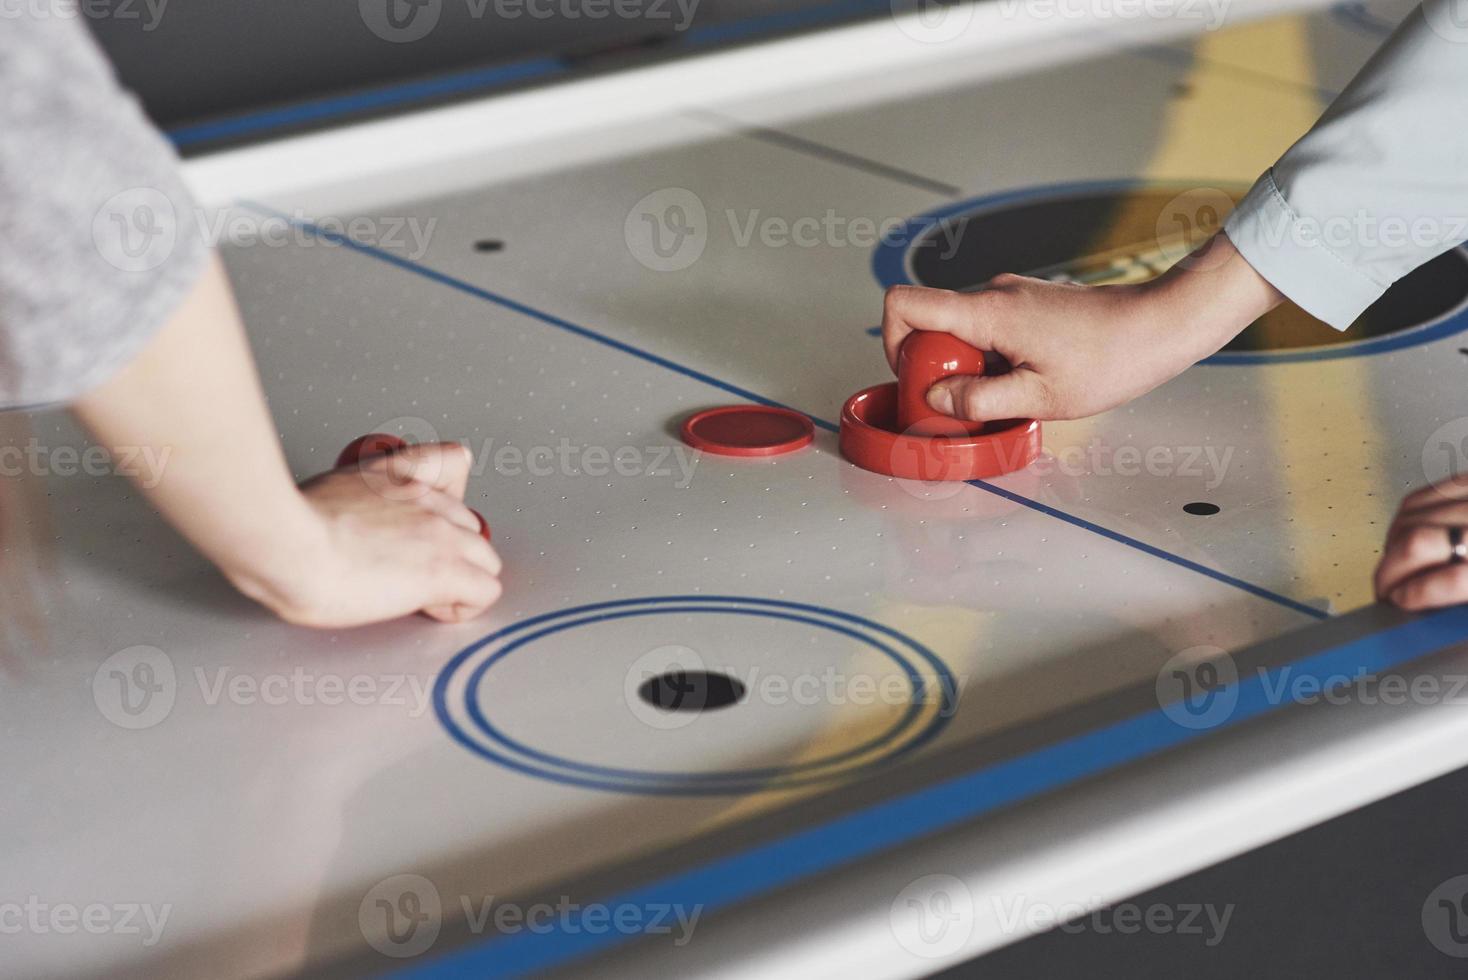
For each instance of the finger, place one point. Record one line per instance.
(1020, 394)
(441, 465)
(1445, 513)
(464, 591)
(451, 541)
(909, 308)
(482, 553)
(1446, 585)
(1455, 488)
(1409, 553)
(450, 509)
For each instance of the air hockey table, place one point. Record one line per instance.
(961, 713)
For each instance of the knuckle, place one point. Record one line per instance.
(457, 459)
(992, 306)
(894, 298)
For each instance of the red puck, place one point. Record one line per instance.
(748, 430)
(365, 447)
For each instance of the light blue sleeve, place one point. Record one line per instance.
(1379, 185)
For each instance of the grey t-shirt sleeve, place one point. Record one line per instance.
(99, 239)
(1379, 185)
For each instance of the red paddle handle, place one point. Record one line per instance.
(925, 358)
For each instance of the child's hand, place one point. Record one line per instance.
(358, 545)
(1079, 350)
(1418, 568)
(394, 538)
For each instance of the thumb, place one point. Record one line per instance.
(1020, 394)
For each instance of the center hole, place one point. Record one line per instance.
(691, 690)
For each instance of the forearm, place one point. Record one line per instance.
(193, 400)
(1211, 296)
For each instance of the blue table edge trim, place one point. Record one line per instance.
(360, 105)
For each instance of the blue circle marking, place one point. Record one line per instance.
(914, 705)
(902, 737)
(892, 266)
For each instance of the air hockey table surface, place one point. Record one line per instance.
(968, 711)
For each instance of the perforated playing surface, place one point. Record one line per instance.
(275, 776)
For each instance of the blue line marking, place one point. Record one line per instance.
(760, 776)
(530, 311)
(712, 783)
(892, 266)
(1356, 16)
(1155, 552)
(763, 868)
(321, 110)
(881, 260)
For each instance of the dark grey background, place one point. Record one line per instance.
(200, 60)
(1341, 900)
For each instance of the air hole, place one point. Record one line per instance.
(1201, 509)
(488, 245)
(691, 690)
